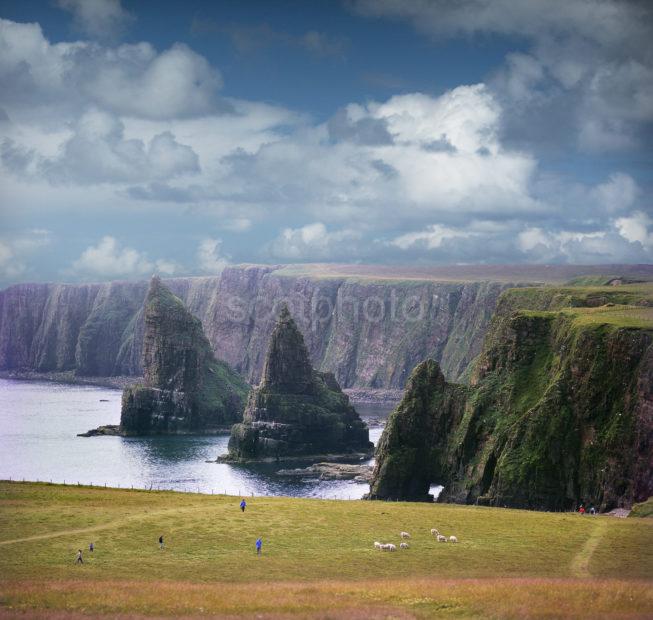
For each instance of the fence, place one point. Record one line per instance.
(156, 488)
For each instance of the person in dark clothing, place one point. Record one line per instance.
(243, 505)
(160, 542)
(79, 559)
(91, 547)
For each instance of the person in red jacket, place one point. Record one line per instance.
(581, 509)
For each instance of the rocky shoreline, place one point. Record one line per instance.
(356, 395)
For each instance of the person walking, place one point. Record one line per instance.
(160, 542)
(91, 547)
(243, 505)
(259, 544)
(79, 559)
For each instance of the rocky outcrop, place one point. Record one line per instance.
(296, 410)
(408, 456)
(369, 325)
(560, 411)
(186, 389)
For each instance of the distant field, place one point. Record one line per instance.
(318, 558)
(546, 274)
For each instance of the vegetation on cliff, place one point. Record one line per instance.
(296, 410)
(560, 410)
(186, 389)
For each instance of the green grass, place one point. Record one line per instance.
(644, 509)
(317, 555)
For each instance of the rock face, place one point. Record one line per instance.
(296, 410)
(408, 454)
(370, 326)
(186, 389)
(560, 411)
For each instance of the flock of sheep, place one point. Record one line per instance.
(405, 545)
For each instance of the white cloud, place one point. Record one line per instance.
(589, 67)
(133, 79)
(638, 228)
(98, 152)
(209, 258)
(430, 238)
(98, 18)
(108, 259)
(314, 242)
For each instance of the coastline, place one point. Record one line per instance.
(120, 382)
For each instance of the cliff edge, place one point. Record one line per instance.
(560, 410)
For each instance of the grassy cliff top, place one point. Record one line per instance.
(318, 558)
(536, 274)
(628, 305)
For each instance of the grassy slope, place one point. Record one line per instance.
(317, 554)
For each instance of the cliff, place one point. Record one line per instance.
(296, 410)
(369, 325)
(186, 389)
(560, 410)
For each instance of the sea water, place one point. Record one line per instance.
(39, 423)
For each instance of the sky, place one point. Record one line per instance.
(151, 136)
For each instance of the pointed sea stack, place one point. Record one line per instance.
(186, 389)
(296, 410)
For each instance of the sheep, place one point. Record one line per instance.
(377, 545)
(389, 547)
(442, 538)
(434, 532)
(404, 534)
(453, 539)
(404, 546)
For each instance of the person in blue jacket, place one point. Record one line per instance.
(243, 505)
(259, 544)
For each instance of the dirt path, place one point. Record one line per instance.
(101, 526)
(580, 564)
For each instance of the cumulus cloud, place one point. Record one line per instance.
(108, 259)
(314, 242)
(98, 18)
(130, 79)
(209, 256)
(588, 74)
(98, 152)
(638, 228)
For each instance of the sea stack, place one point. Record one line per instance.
(296, 410)
(186, 389)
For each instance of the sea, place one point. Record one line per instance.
(39, 423)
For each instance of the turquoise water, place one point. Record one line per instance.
(39, 422)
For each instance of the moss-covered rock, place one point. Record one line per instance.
(296, 410)
(186, 389)
(560, 412)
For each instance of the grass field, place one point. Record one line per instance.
(318, 558)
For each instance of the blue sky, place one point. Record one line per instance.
(178, 137)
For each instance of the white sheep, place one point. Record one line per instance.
(404, 546)
(377, 545)
(453, 539)
(389, 547)
(434, 532)
(404, 534)
(442, 538)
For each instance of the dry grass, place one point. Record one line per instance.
(318, 558)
